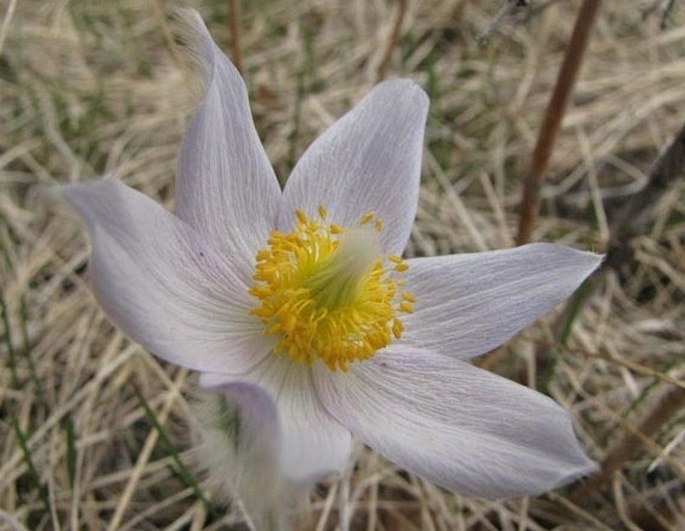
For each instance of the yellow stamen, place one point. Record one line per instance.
(397, 328)
(327, 292)
(301, 217)
(405, 307)
(367, 217)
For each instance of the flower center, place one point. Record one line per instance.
(328, 293)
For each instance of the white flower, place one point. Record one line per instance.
(301, 297)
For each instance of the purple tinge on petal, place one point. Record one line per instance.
(226, 188)
(368, 161)
(468, 304)
(163, 286)
(460, 427)
(313, 444)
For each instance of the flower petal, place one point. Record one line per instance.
(238, 445)
(162, 285)
(368, 161)
(462, 428)
(468, 304)
(313, 444)
(226, 188)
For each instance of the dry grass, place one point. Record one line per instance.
(94, 432)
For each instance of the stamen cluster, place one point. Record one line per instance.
(327, 293)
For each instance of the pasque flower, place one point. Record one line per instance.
(297, 305)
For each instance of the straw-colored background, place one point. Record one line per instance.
(95, 433)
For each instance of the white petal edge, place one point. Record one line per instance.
(313, 444)
(162, 285)
(468, 304)
(226, 188)
(367, 161)
(462, 428)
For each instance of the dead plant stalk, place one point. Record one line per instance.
(556, 109)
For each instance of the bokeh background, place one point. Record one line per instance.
(97, 434)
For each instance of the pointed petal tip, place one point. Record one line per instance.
(582, 260)
(196, 43)
(187, 14)
(549, 245)
(53, 193)
(565, 477)
(189, 25)
(226, 188)
(583, 469)
(81, 196)
(588, 468)
(403, 88)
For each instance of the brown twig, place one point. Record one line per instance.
(553, 116)
(630, 218)
(234, 34)
(394, 38)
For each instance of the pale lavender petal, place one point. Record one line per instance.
(468, 304)
(313, 444)
(163, 286)
(226, 188)
(238, 444)
(460, 427)
(368, 161)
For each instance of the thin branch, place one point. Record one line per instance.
(234, 34)
(394, 38)
(556, 109)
